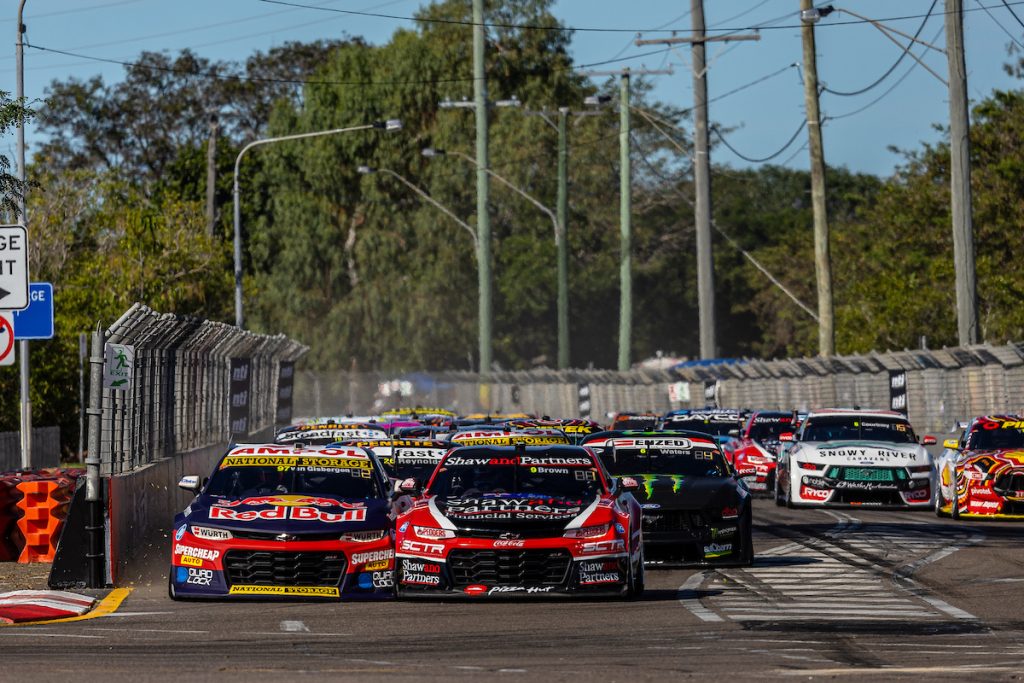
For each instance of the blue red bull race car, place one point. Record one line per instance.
(286, 522)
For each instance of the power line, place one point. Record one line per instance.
(594, 29)
(1005, 30)
(861, 91)
(74, 11)
(1007, 6)
(761, 160)
(884, 94)
(289, 81)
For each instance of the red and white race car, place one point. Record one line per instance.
(754, 452)
(520, 521)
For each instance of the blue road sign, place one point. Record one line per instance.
(36, 321)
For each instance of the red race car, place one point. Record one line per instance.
(520, 521)
(756, 449)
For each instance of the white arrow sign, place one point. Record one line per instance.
(13, 267)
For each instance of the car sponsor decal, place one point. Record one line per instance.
(617, 545)
(208, 534)
(373, 556)
(287, 462)
(179, 532)
(308, 591)
(814, 494)
(292, 501)
(421, 548)
(192, 551)
(376, 580)
(863, 453)
(195, 577)
(508, 507)
(521, 460)
(508, 439)
(302, 514)
(717, 549)
(500, 590)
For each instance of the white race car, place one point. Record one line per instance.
(855, 457)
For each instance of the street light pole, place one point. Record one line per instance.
(367, 170)
(390, 124)
(625, 229)
(26, 399)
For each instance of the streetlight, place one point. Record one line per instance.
(389, 125)
(369, 170)
(563, 284)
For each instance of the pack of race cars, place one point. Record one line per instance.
(423, 503)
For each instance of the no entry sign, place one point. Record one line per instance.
(6, 339)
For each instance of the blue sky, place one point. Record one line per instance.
(764, 115)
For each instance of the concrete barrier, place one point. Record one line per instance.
(142, 505)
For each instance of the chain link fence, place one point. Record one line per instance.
(182, 393)
(938, 387)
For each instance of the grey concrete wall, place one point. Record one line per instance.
(142, 507)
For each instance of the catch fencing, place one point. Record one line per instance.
(935, 388)
(191, 383)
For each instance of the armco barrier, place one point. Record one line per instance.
(43, 506)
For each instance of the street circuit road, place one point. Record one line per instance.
(851, 594)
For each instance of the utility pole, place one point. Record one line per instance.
(26, 399)
(625, 229)
(822, 259)
(211, 176)
(702, 170)
(625, 213)
(483, 219)
(960, 177)
(561, 239)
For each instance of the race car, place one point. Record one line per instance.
(323, 433)
(754, 451)
(636, 421)
(286, 522)
(520, 521)
(983, 470)
(721, 423)
(696, 510)
(574, 428)
(855, 457)
(485, 436)
(437, 417)
(404, 458)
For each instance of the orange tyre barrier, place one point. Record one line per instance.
(44, 508)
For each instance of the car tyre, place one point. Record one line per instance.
(940, 502)
(746, 558)
(638, 578)
(778, 492)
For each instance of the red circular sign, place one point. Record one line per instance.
(6, 346)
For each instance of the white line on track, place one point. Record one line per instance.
(289, 626)
(48, 635)
(688, 597)
(143, 630)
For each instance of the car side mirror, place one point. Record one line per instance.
(410, 485)
(951, 444)
(928, 440)
(189, 482)
(787, 437)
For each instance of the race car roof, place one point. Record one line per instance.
(605, 439)
(268, 453)
(844, 412)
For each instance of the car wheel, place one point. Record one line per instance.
(638, 578)
(778, 492)
(940, 501)
(746, 558)
(789, 496)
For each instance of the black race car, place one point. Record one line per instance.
(695, 509)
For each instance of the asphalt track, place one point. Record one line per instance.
(851, 594)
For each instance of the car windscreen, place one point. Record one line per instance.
(694, 462)
(769, 428)
(995, 439)
(715, 425)
(339, 477)
(480, 473)
(415, 463)
(856, 428)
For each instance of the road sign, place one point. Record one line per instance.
(13, 267)
(36, 321)
(119, 366)
(6, 339)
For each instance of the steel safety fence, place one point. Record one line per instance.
(936, 388)
(175, 393)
